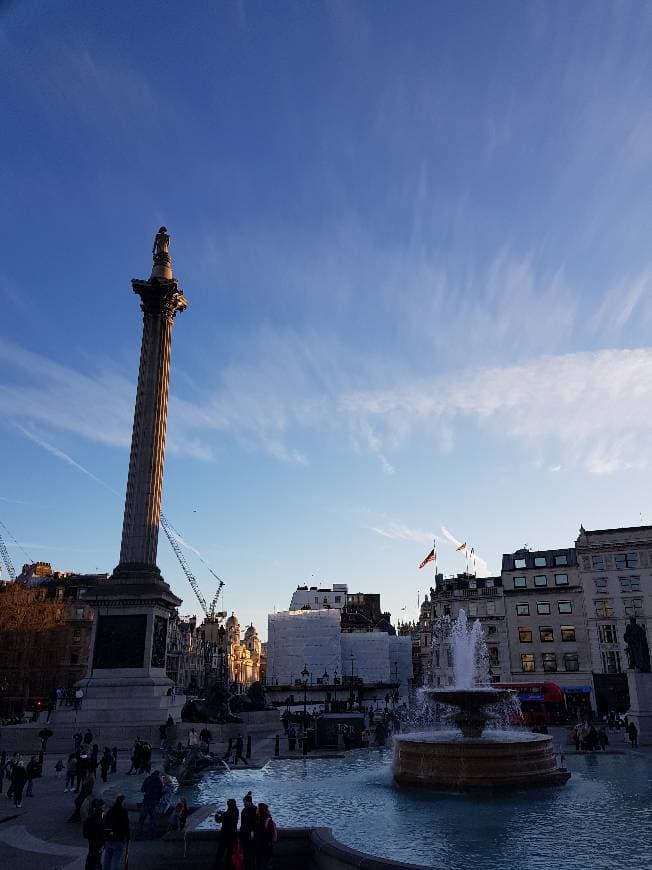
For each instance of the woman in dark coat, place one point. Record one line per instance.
(228, 834)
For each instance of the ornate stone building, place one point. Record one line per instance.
(234, 660)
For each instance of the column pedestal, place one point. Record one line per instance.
(640, 704)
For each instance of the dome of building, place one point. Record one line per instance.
(232, 621)
(251, 632)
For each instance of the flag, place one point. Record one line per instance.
(429, 558)
(461, 547)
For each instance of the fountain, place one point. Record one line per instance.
(474, 758)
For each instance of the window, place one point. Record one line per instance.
(522, 609)
(491, 608)
(491, 629)
(546, 634)
(607, 633)
(525, 635)
(473, 610)
(527, 661)
(549, 661)
(543, 608)
(447, 610)
(489, 583)
(316, 600)
(338, 599)
(79, 613)
(436, 658)
(519, 563)
(539, 561)
(626, 560)
(571, 662)
(604, 608)
(473, 584)
(561, 559)
(519, 583)
(76, 635)
(449, 657)
(568, 632)
(540, 580)
(611, 662)
(630, 584)
(633, 606)
(493, 655)
(600, 584)
(561, 579)
(565, 606)
(597, 563)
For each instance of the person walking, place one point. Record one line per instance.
(117, 834)
(82, 770)
(71, 769)
(632, 733)
(114, 759)
(93, 830)
(32, 770)
(152, 789)
(18, 780)
(247, 829)
(265, 836)
(228, 834)
(239, 746)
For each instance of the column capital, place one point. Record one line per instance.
(160, 296)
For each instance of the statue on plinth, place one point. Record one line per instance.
(638, 651)
(161, 242)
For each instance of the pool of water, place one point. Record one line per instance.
(602, 818)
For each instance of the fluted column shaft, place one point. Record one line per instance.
(161, 300)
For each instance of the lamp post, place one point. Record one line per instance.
(351, 695)
(325, 680)
(305, 674)
(335, 687)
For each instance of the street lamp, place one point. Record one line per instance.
(325, 680)
(335, 686)
(351, 695)
(305, 673)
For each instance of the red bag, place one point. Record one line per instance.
(237, 857)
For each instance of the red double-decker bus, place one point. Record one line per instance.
(541, 703)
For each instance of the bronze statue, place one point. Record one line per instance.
(161, 242)
(638, 651)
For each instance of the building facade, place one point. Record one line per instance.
(317, 598)
(232, 659)
(546, 622)
(616, 570)
(481, 598)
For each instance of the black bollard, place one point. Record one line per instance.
(248, 745)
(277, 746)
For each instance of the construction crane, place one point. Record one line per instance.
(4, 552)
(209, 610)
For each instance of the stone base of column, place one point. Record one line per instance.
(640, 705)
(126, 681)
(136, 573)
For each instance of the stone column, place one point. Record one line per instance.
(160, 301)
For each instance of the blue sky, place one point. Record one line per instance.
(416, 241)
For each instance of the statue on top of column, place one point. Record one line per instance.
(638, 651)
(161, 242)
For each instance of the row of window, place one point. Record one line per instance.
(570, 661)
(547, 634)
(627, 584)
(543, 608)
(540, 580)
(621, 560)
(541, 562)
(493, 656)
(604, 607)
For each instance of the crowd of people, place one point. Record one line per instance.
(588, 738)
(251, 846)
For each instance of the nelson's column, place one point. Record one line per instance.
(126, 680)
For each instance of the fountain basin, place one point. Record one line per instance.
(501, 759)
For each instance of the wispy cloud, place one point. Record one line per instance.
(399, 532)
(475, 562)
(64, 457)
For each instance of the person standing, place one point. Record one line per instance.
(228, 834)
(247, 829)
(71, 769)
(18, 780)
(152, 789)
(93, 830)
(193, 740)
(265, 835)
(239, 746)
(105, 763)
(114, 759)
(632, 733)
(205, 736)
(32, 771)
(117, 833)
